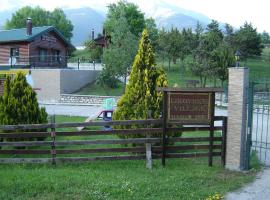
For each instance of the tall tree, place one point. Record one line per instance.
(151, 26)
(161, 44)
(222, 58)
(95, 51)
(58, 19)
(265, 37)
(120, 54)
(248, 41)
(209, 41)
(188, 43)
(141, 94)
(199, 29)
(172, 44)
(135, 18)
(41, 17)
(229, 36)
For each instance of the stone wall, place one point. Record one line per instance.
(84, 99)
(73, 80)
(51, 83)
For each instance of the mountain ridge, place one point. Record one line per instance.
(85, 19)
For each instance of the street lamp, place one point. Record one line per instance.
(237, 58)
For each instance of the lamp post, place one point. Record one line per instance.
(237, 58)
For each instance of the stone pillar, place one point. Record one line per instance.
(237, 118)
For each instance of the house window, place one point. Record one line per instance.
(14, 52)
(56, 55)
(43, 53)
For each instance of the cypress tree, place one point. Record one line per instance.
(140, 94)
(19, 103)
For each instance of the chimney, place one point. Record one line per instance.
(93, 34)
(29, 26)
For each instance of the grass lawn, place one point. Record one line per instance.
(180, 179)
(95, 89)
(259, 69)
(65, 119)
(178, 74)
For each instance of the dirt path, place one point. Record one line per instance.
(259, 189)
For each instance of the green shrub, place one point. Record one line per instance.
(141, 94)
(19, 104)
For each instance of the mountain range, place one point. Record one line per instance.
(85, 19)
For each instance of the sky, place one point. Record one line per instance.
(234, 12)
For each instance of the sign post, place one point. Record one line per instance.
(189, 106)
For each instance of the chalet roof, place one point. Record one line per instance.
(19, 35)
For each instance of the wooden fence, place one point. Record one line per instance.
(18, 145)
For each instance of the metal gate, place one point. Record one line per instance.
(258, 137)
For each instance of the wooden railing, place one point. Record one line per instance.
(18, 145)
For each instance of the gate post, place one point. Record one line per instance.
(237, 119)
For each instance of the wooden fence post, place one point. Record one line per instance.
(212, 130)
(148, 146)
(53, 152)
(148, 155)
(164, 124)
(224, 138)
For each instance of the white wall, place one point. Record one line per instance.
(51, 83)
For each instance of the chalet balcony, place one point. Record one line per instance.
(49, 61)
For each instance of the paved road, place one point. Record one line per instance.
(84, 111)
(258, 190)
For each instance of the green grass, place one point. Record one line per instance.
(64, 119)
(178, 74)
(84, 53)
(180, 179)
(95, 89)
(259, 69)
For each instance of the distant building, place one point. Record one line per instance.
(102, 40)
(34, 47)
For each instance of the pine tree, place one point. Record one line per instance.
(141, 95)
(19, 103)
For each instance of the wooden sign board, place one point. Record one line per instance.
(190, 108)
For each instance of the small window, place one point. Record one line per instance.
(14, 52)
(56, 55)
(43, 53)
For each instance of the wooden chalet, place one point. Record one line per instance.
(34, 47)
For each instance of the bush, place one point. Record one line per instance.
(19, 103)
(141, 94)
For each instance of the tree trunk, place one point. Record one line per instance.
(174, 60)
(204, 82)
(222, 83)
(169, 64)
(163, 58)
(201, 80)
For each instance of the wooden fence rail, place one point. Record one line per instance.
(148, 146)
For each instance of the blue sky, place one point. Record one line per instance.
(235, 12)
